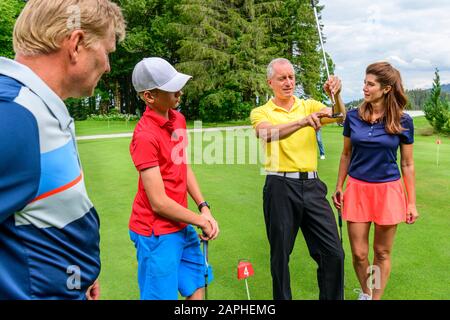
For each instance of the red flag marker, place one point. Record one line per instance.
(244, 271)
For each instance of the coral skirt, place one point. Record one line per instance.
(383, 203)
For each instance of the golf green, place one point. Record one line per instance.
(233, 186)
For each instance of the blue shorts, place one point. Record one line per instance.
(170, 263)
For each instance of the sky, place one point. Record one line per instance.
(412, 35)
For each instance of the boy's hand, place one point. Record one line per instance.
(211, 229)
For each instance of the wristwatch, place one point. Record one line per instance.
(203, 204)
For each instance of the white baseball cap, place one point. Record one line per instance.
(157, 73)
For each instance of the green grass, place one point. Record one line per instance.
(421, 252)
(94, 127)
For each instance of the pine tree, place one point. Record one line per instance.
(324, 98)
(227, 44)
(148, 35)
(226, 47)
(297, 36)
(437, 108)
(254, 48)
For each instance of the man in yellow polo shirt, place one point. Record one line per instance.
(294, 197)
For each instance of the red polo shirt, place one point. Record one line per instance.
(159, 142)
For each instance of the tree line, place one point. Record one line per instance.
(224, 44)
(417, 98)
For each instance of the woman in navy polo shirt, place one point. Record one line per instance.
(374, 192)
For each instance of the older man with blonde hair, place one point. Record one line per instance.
(49, 229)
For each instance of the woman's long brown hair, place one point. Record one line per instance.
(394, 101)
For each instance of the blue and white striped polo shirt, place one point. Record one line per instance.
(49, 229)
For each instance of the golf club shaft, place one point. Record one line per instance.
(338, 195)
(205, 254)
(323, 51)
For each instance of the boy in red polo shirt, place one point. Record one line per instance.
(161, 226)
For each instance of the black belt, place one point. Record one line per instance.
(295, 175)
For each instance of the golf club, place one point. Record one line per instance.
(338, 196)
(205, 254)
(333, 102)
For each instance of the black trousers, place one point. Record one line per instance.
(290, 204)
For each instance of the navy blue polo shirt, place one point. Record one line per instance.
(374, 151)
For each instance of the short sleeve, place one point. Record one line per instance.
(20, 165)
(346, 132)
(314, 105)
(257, 116)
(407, 136)
(144, 150)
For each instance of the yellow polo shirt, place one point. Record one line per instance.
(298, 152)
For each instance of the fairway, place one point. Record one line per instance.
(421, 257)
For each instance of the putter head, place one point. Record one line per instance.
(335, 115)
